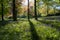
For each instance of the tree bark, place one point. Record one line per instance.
(14, 11)
(54, 11)
(28, 9)
(35, 10)
(2, 9)
(47, 9)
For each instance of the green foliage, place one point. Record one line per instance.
(6, 6)
(54, 23)
(20, 30)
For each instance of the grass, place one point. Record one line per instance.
(53, 23)
(28, 30)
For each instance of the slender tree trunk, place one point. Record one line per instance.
(14, 11)
(54, 11)
(47, 9)
(2, 10)
(28, 9)
(35, 10)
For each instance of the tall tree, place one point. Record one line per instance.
(14, 11)
(28, 9)
(35, 10)
(2, 9)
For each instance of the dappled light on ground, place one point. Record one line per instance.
(29, 30)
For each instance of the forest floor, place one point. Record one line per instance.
(23, 29)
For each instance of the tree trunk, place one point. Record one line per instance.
(35, 10)
(2, 10)
(47, 9)
(14, 11)
(28, 9)
(54, 11)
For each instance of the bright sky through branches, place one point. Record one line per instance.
(25, 2)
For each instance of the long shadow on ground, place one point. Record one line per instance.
(49, 24)
(10, 35)
(3, 23)
(34, 34)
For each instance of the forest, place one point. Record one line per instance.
(29, 19)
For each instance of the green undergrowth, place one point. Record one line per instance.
(53, 23)
(26, 30)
